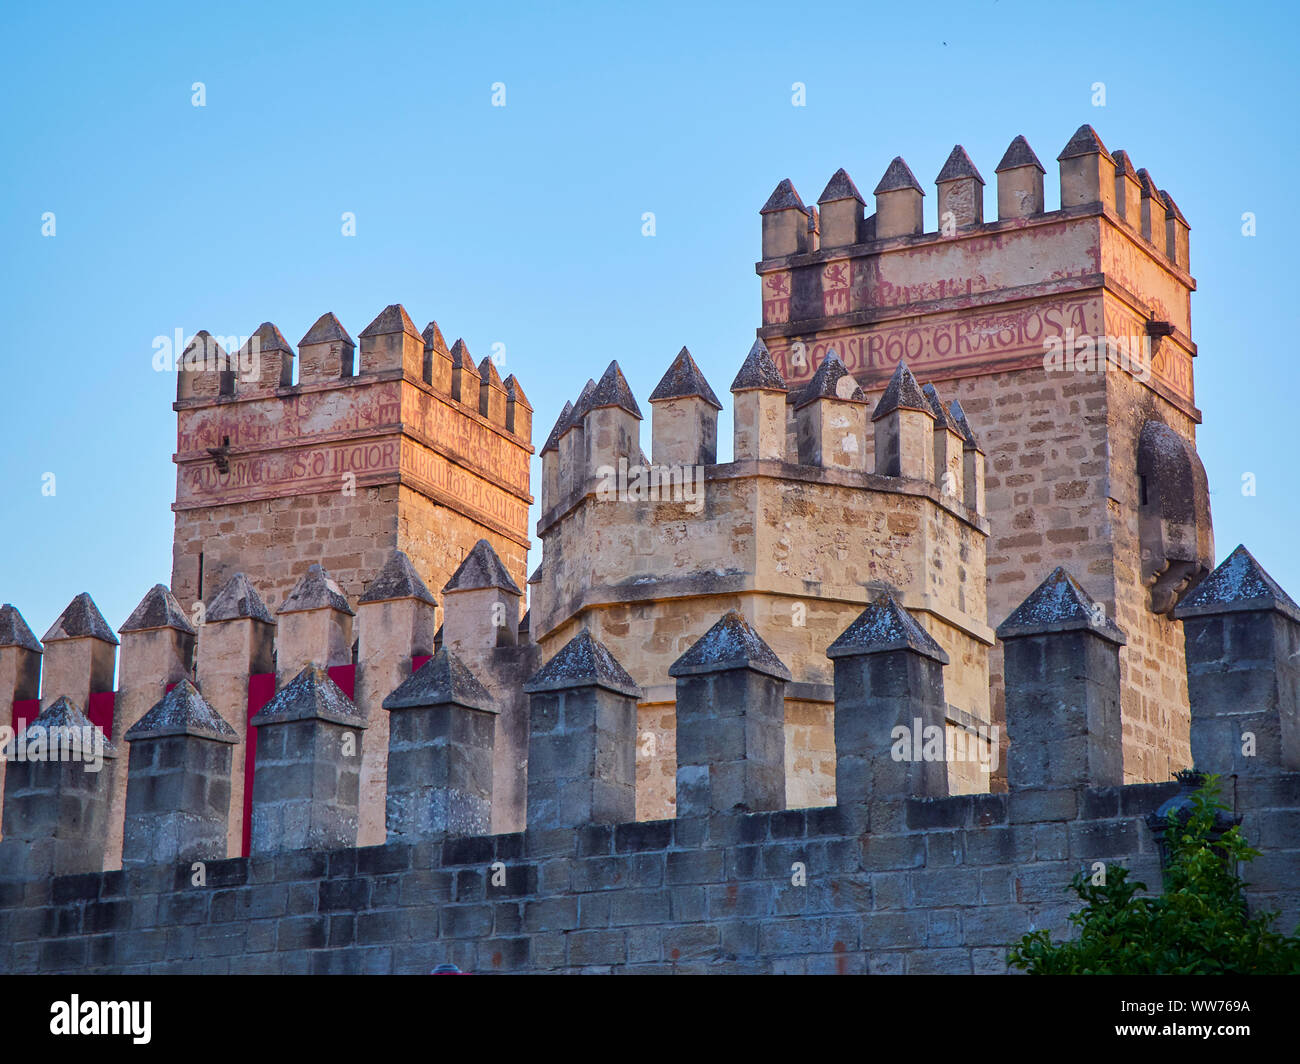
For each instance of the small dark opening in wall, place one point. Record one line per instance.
(225, 441)
(1142, 489)
(200, 576)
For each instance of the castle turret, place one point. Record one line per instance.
(519, 412)
(685, 416)
(20, 671)
(236, 644)
(80, 654)
(550, 455)
(307, 784)
(1063, 689)
(785, 222)
(157, 653)
(831, 415)
(1176, 231)
(481, 603)
(888, 676)
(466, 382)
(326, 353)
(758, 414)
(315, 626)
(1153, 212)
(1020, 182)
(396, 619)
(1087, 170)
(972, 460)
(961, 192)
(179, 769)
(437, 359)
(899, 196)
(841, 211)
(904, 428)
(582, 739)
(949, 448)
(1128, 190)
(265, 363)
(491, 393)
(612, 423)
(392, 342)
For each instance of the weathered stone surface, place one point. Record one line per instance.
(316, 590)
(237, 600)
(80, 619)
(14, 631)
(182, 711)
(398, 580)
(684, 380)
(158, 609)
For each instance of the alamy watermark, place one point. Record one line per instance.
(930, 742)
(652, 483)
(213, 354)
(1099, 354)
(54, 743)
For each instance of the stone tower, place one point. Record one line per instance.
(417, 449)
(1066, 337)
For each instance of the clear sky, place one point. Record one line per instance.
(522, 225)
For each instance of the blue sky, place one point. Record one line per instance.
(521, 224)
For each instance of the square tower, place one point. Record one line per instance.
(343, 466)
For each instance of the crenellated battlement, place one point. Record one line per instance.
(828, 501)
(578, 884)
(405, 444)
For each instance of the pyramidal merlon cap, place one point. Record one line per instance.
(326, 330)
(1084, 142)
(583, 662)
(487, 369)
(269, 338)
(237, 600)
(730, 644)
(901, 393)
(963, 426)
(515, 391)
(958, 166)
(442, 680)
(82, 618)
(63, 713)
(481, 568)
(936, 408)
(580, 406)
(553, 440)
(684, 381)
(14, 631)
(1238, 585)
(432, 337)
(612, 390)
(392, 319)
(882, 627)
(840, 187)
(316, 590)
(311, 695)
(158, 609)
(1123, 164)
(759, 371)
(182, 711)
(831, 381)
(1019, 154)
(1059, 604)
(897, 177)
(461, 358)
(398, 580)
(783, 198)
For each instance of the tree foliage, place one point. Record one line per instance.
(1199, 925)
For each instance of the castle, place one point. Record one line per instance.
(963, 506)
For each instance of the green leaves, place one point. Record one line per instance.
(1198, 925)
